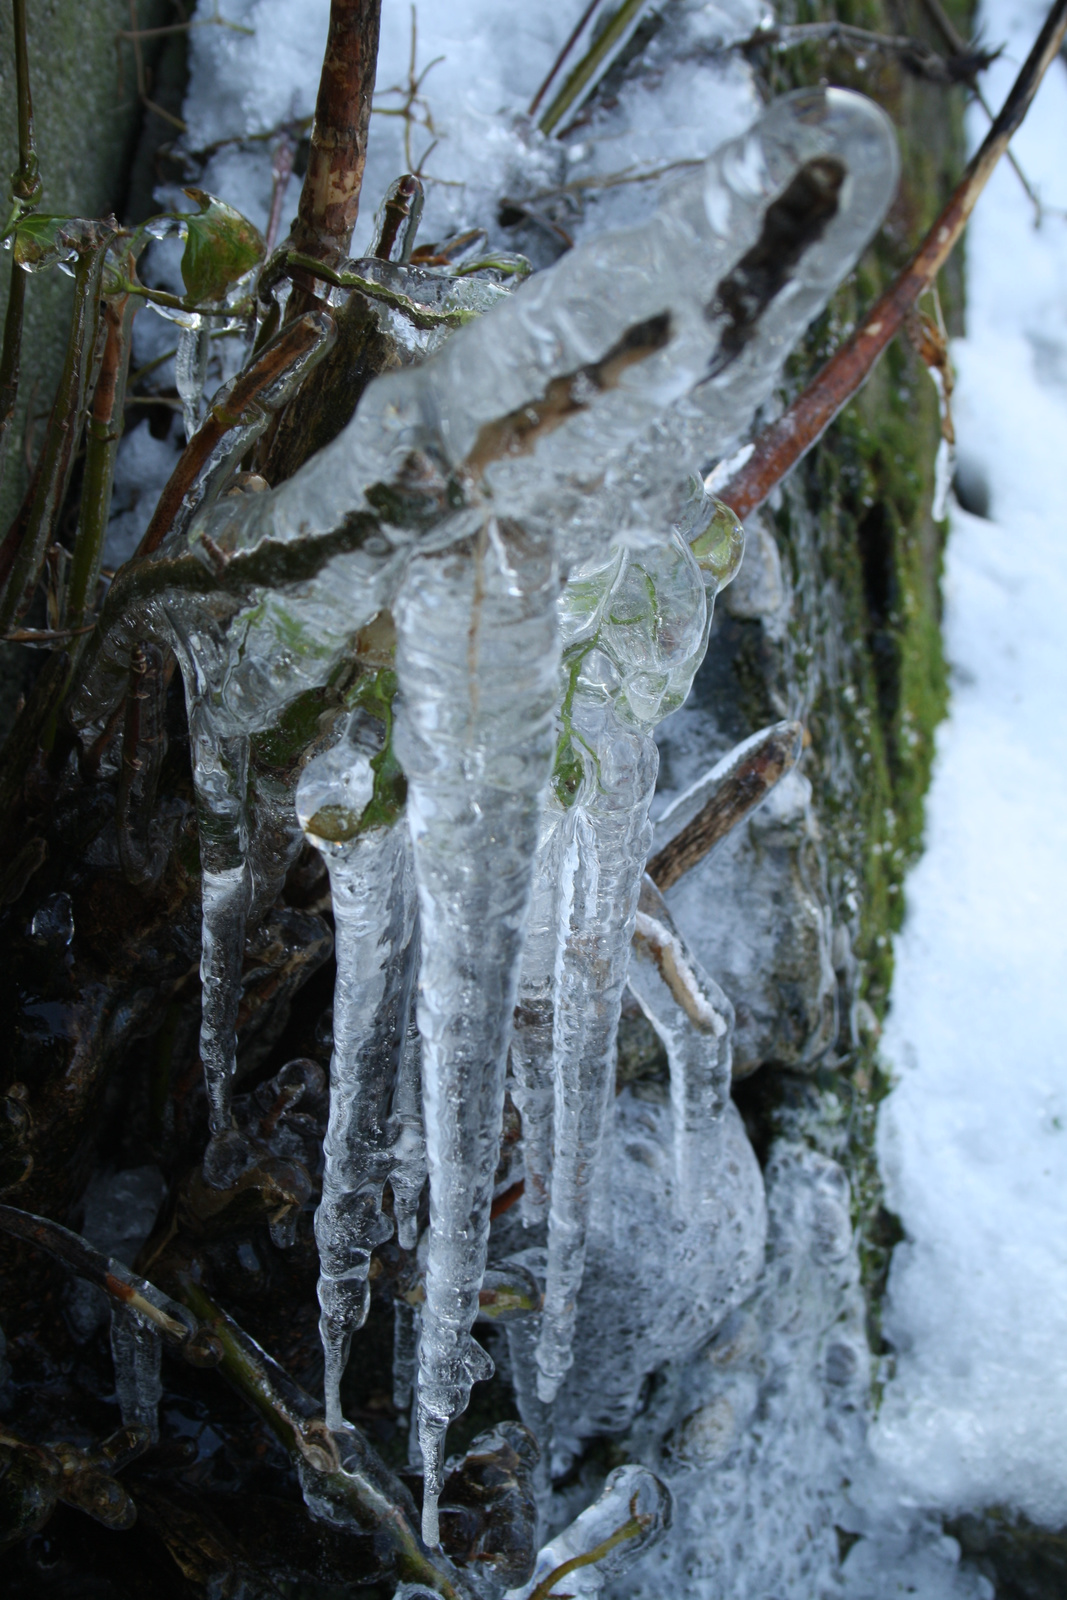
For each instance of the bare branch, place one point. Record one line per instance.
(785, 442)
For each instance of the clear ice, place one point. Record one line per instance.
(627, 1519)
(374, 917)
(519, 503)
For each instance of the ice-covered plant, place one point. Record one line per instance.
(431, 636)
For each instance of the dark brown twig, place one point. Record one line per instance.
(23, 551)
(781, 446)
(955, 41)
(744, 781)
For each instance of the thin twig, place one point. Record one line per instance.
(943, 22)
(781, 446)
(11, 356)
(26, 180)
(103, 432)
(26, 544)
(916, 57)
(43, 636)
(124, 1286)
(362, 1487)
(738, 787)
(294, 345)
(563, 54)
(412, 96)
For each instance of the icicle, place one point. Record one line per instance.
(693, 1018)
(636, 352)
(599, 901)
(630, 1515)
(531, 1044)
(477, 662)
(220, 778)
(190, 371)
(137, 1350)
(409, 1143)
(374, 909)
(636, 632)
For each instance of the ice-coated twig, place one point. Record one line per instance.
(693, 1018)
(700, 819)
(374, 915)
(781, 446)
(631, 1513)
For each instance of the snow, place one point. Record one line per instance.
(973, 1138)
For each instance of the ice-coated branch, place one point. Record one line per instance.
(698, 821)
(785, 442)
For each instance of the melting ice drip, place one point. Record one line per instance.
(517, 501)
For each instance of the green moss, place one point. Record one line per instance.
(855, 527)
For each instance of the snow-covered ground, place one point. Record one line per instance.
(973, 1138)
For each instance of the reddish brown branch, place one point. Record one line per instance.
(781, 446)
(286, 351)
(742, 785)
(329, 199)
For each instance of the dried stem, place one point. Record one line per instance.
(329, 199)
(11, 357)
(781, 446)
(290, 347)
(581, 76)
(742, 785)
(24, 549)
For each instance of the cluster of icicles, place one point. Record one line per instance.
(517, 503)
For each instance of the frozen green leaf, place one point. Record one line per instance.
(220, 247)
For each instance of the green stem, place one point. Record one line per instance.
(64, 430)
(293, 1418)
(419, 315)
(632, 1529)
(176, 302)
(11, 357)
(579, 76)
(26, 181)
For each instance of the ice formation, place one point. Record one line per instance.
(374, 916)
(518, 502)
